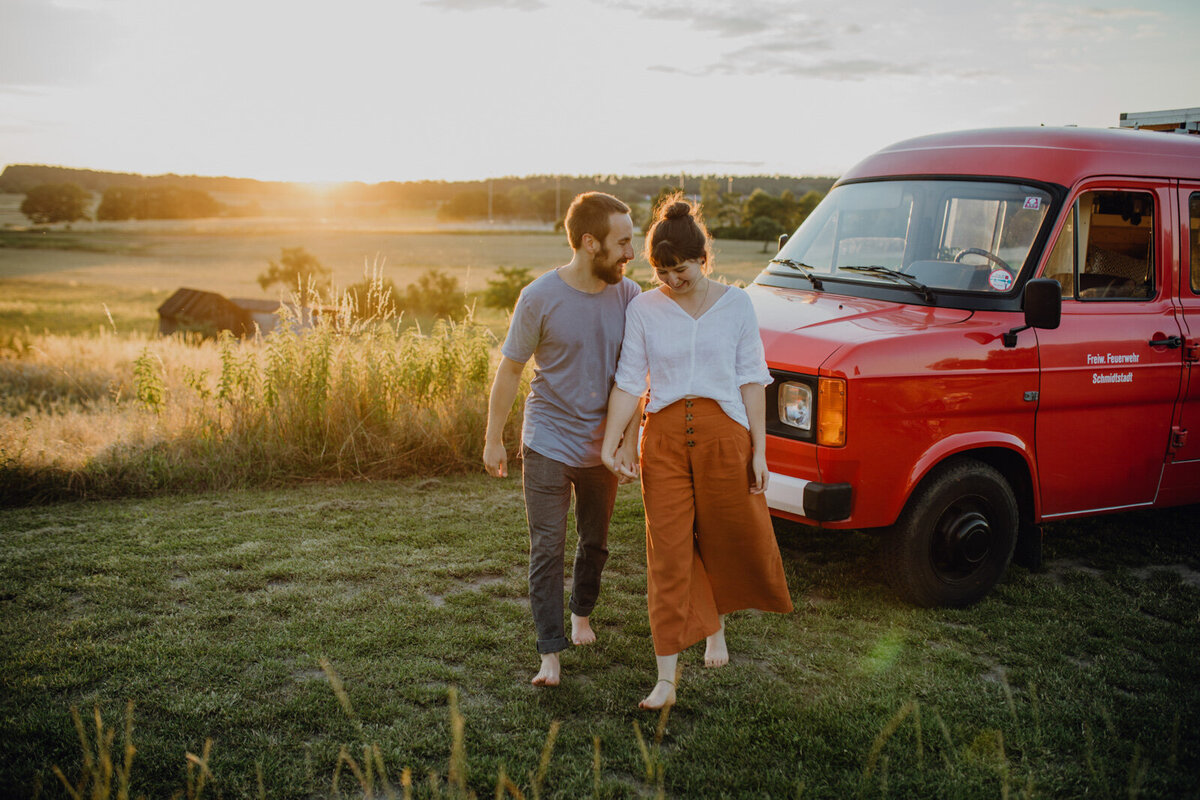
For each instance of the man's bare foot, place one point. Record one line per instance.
(663, 694)
(581, 630)
(716, 654)
(550, 673)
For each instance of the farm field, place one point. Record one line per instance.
(237, 617)
(227, 255)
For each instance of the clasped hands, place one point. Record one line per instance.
(622, 461)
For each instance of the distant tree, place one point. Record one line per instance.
(438, 294)
(156, 202)
(55, 202)
(117, 202)
(521, 203)
(805, 206)
(473, 204)
(503, 292)
(762, 204)
(550, 205)
(296, 268)
(765, 230)
(710, 197)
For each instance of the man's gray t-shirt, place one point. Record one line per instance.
(575, 339)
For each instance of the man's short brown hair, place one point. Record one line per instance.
(590, 213)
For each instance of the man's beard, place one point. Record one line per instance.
(609, 272)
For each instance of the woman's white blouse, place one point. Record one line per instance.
(713, 356)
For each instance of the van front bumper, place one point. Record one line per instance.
(821, 502)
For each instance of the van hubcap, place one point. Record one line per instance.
(961, 542)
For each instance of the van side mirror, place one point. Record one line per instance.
(1043, 307)
(783, 237)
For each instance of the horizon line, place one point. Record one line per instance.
(600, 177)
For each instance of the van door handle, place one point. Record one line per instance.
(1172, 342)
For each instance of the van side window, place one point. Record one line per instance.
(1194, 238)
(1116, 242)
(1060, 266)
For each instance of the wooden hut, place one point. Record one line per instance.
(206, 313)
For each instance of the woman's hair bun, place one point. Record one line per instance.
(678, 210)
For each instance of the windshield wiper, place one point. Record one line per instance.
(888, 272)
(804, 269)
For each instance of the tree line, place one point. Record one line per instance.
(48, 203)
(737, 207)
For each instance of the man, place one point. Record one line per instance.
(571, 320)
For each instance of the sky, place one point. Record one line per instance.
(376, 90)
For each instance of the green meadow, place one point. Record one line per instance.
(274, 569)
(266, 632)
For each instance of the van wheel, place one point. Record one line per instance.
(955, 538)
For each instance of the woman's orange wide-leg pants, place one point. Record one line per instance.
(710, 547)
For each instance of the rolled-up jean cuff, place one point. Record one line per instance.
(545, 646)
(579, 610)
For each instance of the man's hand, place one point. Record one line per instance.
(504, 392)
(495, 459)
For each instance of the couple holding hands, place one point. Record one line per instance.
(598, 344)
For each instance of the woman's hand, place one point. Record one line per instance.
(621, 462)
(758, 465)
(616, 452)
(626, 461)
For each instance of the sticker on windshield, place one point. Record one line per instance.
(1001, 280)
(1033, 203)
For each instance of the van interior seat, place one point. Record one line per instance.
(1109, 273)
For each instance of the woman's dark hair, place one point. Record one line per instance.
(677, 235)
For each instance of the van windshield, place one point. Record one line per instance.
(920, 235)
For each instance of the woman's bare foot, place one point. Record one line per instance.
(550, 673)
(581, 630)
(716, 654)
(663, 694)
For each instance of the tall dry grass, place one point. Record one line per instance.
(347, 397)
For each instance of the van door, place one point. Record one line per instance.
(1181, 482)
(1111, 371)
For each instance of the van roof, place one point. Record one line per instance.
(1055, 155)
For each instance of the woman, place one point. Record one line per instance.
(710, 547)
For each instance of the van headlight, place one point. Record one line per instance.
(795, 405)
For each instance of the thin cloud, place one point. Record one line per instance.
(1036, 23)
(747, 19)
(696, 164)
(832, 69)
(486, 5)
(779, 39)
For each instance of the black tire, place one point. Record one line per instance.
(955, 538)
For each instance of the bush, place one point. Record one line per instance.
(503, 292)
(438, 294)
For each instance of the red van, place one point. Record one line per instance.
(977, 332)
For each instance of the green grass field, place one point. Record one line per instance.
(212, 613)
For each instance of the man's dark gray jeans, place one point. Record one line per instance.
(548, 487)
